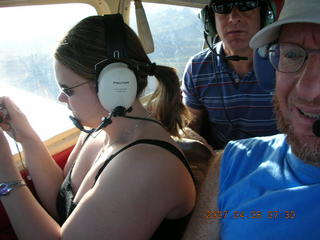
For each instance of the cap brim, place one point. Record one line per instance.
(271, 33)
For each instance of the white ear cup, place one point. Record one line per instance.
(117, 86)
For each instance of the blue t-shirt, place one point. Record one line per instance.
(236, 106)
(267, 192)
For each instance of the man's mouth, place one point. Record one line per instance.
(235, 31)
(309, 115)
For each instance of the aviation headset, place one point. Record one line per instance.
(264, 71)
(117, 75)
(206, 16)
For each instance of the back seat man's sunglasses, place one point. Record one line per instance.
(225, 7)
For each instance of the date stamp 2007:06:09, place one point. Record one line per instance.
(272, 214)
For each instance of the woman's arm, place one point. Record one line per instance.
(43, 169)
(24, 211)
(46, 175)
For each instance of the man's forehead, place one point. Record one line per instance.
(297, 31)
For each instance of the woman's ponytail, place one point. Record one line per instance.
(166, 101)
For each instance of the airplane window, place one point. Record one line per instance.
(177, 34)
(29, 36)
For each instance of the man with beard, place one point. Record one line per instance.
(220, 90)
(269, 187)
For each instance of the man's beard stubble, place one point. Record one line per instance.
(307, 152)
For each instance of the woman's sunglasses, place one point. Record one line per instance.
(225, 7)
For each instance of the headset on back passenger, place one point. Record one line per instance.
(263, 69)
(267, 13)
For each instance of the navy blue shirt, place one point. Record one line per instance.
(237, 107)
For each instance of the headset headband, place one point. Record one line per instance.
(116, 47)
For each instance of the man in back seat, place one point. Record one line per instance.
(222, 94)
(269, 186)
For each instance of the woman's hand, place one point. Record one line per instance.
(8, 169)
(5, 152)
(14, 122)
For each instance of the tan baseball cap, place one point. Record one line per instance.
(293, 11)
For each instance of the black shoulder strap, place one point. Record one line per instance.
(163, 144)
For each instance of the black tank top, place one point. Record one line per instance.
(168, 229)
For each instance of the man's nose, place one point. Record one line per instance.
(235, 15)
